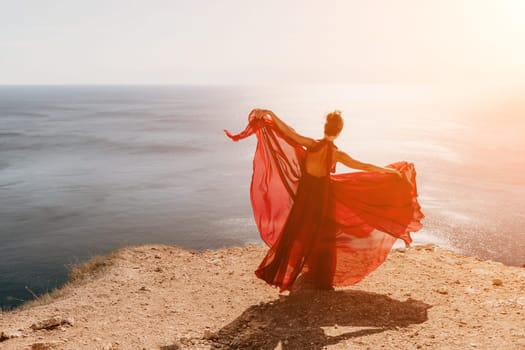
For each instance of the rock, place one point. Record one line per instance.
(429, 247)
(482, 272)
(9, 335)
(470, 290)
(442, 290)
(236, 342)
(47, 324)
(45, 346)
(185, 341)
(209, 335)
(52, 322)
(497, 282)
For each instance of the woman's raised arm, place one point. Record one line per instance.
(303, 140)
(350, 162)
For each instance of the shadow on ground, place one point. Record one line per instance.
(295, 321)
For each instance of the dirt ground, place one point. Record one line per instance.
(165, 297)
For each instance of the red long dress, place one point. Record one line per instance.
(335, 228)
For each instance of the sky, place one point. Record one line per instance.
(259, 42)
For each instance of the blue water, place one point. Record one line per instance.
(88, 169)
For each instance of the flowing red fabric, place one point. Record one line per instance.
(333, 229)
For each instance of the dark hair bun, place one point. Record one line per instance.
(334, 114)
(334, 123)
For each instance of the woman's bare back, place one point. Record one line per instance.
(318, 162)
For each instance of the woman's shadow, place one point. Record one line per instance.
(296, 321)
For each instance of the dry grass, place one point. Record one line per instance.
(46, 298)
(92, 267)
(77, 274)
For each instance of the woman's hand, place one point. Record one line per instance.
(394, 171)
(260, 113)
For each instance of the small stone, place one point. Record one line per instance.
(497, 282)
(185, 341)
(471, 290)
(9, 335)
(210, 335)
(483, 272)
(40, 346)
(49, 323)
(428, 247)
(442, 290)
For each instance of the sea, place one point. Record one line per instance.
(85, 170)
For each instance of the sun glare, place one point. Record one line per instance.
(515, 11)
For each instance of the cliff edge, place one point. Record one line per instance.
(166, 297)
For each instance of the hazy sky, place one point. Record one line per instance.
(243, 41)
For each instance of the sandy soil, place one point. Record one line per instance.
(165, 297)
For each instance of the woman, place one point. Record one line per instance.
(332, 229)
